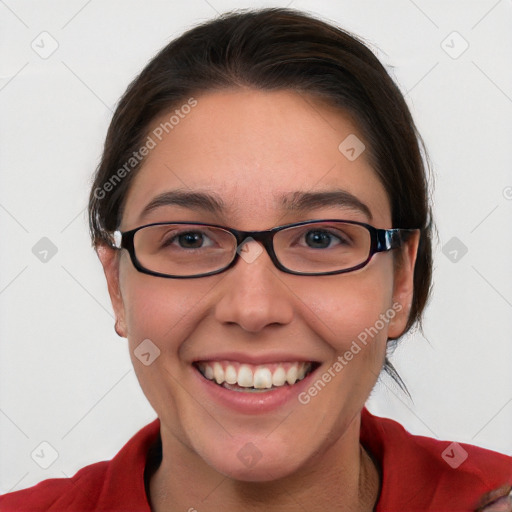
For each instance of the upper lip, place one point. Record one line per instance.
(256, 359)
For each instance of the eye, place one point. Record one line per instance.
(186, 240)
(322, 238)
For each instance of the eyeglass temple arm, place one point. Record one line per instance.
(392, 238)
(117, 239)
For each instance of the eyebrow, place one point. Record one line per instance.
(291, 202)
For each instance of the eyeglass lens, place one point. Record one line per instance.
(186, 250)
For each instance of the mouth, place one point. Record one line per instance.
(249, 378)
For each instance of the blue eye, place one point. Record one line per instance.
(322, 239)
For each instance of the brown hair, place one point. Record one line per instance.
(271, 49)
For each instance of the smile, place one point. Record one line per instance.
(244, 377)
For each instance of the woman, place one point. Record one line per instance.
(261, 213)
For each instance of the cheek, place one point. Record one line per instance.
(347, 306)
(162, 310)
(159, 312)
(165, 312)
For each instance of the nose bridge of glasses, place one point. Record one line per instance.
(262, 241)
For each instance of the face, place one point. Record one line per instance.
(249, 149)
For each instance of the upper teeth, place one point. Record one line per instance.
(259, 377)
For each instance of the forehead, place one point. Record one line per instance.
(254, 151)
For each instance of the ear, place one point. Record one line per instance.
(109, 258)
(403, 285)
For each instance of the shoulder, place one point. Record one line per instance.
(438, 475)
(77, 493)
(115, 485)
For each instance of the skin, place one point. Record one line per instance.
(246, 146)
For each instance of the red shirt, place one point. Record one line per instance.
(418, 474)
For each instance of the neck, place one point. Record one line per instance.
(333, 481)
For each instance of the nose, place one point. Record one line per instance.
(253, 294)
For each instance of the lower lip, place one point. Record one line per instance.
(248, 402)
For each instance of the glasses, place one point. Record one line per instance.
(310, 248)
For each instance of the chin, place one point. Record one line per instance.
(263, 471)
(259, 461)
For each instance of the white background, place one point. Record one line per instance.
(65, 376)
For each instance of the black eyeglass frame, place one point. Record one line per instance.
(381, 240)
